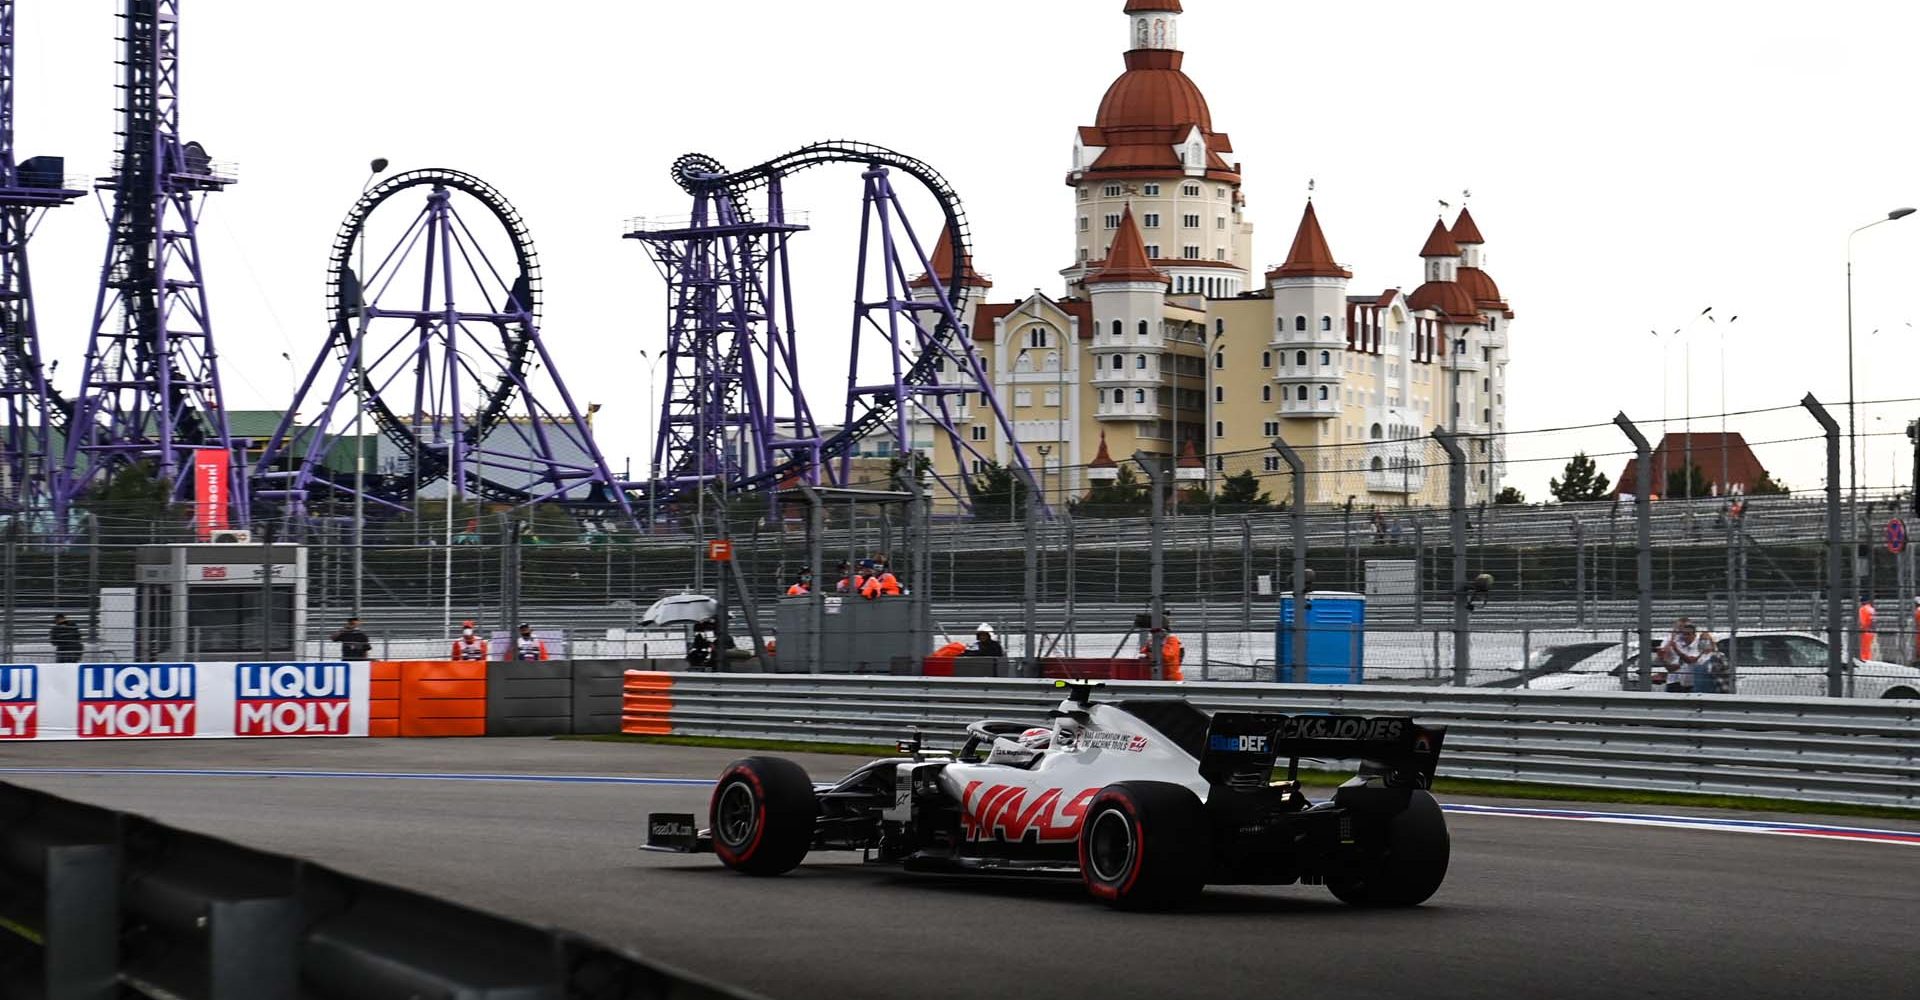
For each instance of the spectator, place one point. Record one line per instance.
(1379, 528)
(1171, 651)
(527, 647)
(700, 647)
(862, 577)
(1707, 672)
(1916, 630)
(802, 585)
(1866, 628)
(984, 644)
(354, 644)
(845, 585)
(67, 644)
(889, 584)
(469, 646)
(1394, 532)
(1681, 653)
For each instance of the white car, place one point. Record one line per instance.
(680, 609)
(1792, 664)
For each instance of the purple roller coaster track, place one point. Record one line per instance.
(734, 415)
(440, 343)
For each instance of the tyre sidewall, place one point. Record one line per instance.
(1171, 846)
(784, 814)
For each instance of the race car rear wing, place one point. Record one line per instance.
(1240, 744)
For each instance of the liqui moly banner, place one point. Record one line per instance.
(95, 701)
(210, 470)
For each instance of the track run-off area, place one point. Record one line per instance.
(1541, 899)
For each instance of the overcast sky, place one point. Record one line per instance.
(1631, 163)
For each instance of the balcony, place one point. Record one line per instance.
(1314, 338)
(1129, 410)
(1313, 407)
(1128, 376)
(1398, 473)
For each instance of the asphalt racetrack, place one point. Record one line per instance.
(1531, 908)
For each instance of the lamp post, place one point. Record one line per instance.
(1853, 475)
(1726, 475)
(653, 430)
(1210, 340)
(374, 169)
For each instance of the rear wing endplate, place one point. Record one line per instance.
(1405, 750)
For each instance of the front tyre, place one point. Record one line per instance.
(1144, 845)
(1412, 864)
(762, 815)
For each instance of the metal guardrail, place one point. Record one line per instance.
(1817, 750)
(96, 903)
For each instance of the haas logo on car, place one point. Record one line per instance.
(136, 700)
(1009, 812)
(291, 699)
(19, 702)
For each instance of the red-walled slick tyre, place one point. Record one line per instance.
(1144, 845)
(1411, 867)
(762, 814)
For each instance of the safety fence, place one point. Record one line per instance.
(1817, 750)
(96, 903)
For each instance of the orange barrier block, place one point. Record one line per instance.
(442, 698)
(383, 704)
(646, 703)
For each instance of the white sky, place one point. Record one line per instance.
(1631, 163)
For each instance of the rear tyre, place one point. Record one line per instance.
(1144, 845)
(1412, 865)
(762, 814)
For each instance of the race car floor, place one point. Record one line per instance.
(1531, 908)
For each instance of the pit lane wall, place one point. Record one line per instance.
(87, 701)
(1809, 749)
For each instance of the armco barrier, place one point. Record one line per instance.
(1820, 750)
(97, 904)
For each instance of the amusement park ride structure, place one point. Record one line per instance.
(439, 340)
(32, 410)
(150, 388)
(734, 415)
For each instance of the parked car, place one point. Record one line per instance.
(1549, 660)
(1762, 663)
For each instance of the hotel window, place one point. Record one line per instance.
(1323, 392)
(1052, 397)
(1299, 322)
(1112, 221)
(979, 432)
(1190, 222)
(1083, 223)
(1266, 394)
(1300, 358)
(1219, 428)
(1270, 429)
(1023, 397)
(1219, 253)
(1266, 359)
(1219, 393)
(1111, 191)
(1271, 463)
(1302, 393)
(1153, 251)
(1119, 361)
(1190, 190)
(1083, 194)
(1220, 359)
(1150, 190)
(1151, 220)
(1219, 222)
(1326, 322)
(1139, 395)
(1140, 362)
(1326, 358)
(1190, 252)
(1220, 192)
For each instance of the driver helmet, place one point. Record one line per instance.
(1037, 738)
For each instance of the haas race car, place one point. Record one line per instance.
(1145, 800)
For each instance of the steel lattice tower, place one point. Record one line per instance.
(150, 389)
(32, 412)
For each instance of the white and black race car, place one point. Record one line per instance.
(1145, 800)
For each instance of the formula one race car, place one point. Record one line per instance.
(1145, 800)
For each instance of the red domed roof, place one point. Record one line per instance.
(1445, 297)
(1440, 242)
(1479, 284)
(1153, 93)
(1310, 256)
(1464, 231)
(1150, 6)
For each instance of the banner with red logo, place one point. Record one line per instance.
(91, 701)
(210, 470)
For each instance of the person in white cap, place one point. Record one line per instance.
(984, 643)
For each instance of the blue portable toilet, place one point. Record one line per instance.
(1336, 638)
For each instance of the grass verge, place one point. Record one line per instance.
(1328, 779)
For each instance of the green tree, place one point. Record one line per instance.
(1241, 492)
(132, 501)
(1768, 486)
(998, 493)
(1123, 496)
(1581, 481)
(1510, 495)
(1678, 488)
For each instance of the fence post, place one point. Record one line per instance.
(1420, 574)
(1579, 573)
(1299, 518)
(266, 594)
(1643, 527)
(1246, 573)
(1457, 533)
(93, 578)
(12, 571)
(817, 594)
(1157, 477)
(1205, 585)
(1032, 650)
(1066, 517)
(1836, 629)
